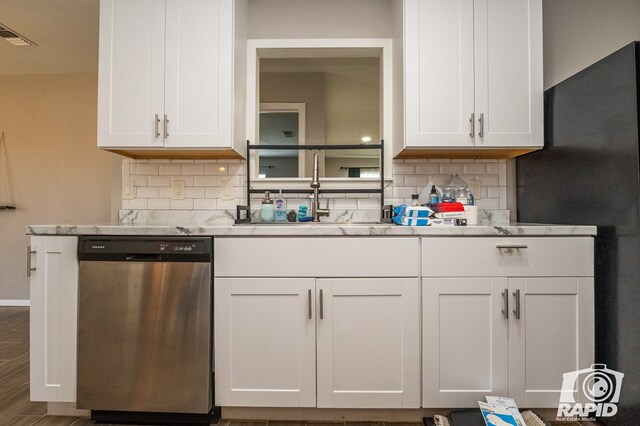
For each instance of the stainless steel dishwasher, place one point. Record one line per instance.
(145, 329)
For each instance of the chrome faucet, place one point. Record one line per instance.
(316, 211)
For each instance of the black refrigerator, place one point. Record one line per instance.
(589, 174)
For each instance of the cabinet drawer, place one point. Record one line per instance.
(483, 256)
(316, 257)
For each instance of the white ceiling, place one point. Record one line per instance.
(66, 32)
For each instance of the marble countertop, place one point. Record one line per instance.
(323, 229)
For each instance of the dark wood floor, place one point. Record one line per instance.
(16, 409)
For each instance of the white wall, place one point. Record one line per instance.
(319, 19)
(578, 33)
(59, 174)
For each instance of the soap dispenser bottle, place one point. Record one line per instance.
(267, 212)
(281, 211)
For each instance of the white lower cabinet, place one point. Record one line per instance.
(519, 314)
(368, 343)
(553, 335)
(265, 337)
(366, 333)
(53, 318)
(465, 341)
(504, 336)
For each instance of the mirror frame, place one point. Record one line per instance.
(320, 48)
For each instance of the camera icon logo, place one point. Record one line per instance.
(597, 390)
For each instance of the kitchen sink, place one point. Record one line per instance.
(312, 224)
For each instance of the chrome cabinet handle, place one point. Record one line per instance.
(157, 126)
(516, 311)
(505, 301)
(166, 126)
(481, 120)
(321, 305)
(309, 302)
(29, 268)
(472, 125)
(509, 248)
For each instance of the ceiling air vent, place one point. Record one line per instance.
(13, 37)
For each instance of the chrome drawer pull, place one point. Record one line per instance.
(516, 311)
(321, 305)
(309, 302)
(509, 248)
(505, 301)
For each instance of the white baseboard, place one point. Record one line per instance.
(15, 302)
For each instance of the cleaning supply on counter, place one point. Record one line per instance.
(434, 197)
(414, 200)
(280, 209)
(411, 215)
(302, 213)
(266, 210)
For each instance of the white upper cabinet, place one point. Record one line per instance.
(166, 78)
(472, 74)
(131, 73)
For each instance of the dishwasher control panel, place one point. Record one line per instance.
(136, 248)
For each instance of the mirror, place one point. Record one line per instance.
(319, 101)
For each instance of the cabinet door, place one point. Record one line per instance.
(508, 73)
(131, 73)
(53, 319)
(368, 343)
(464, 340)
(439, 98)
(199, 71)
(265, 342)
(554, 335)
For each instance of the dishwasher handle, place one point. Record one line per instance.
(143, 257)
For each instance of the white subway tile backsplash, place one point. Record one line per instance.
(229, 204)
(194, 192)
(147, 192)
(427, 169)
(188, 180)
(170, 169)
(158, 204)
(502, 173)
(193, 169)
(345, 204)
(403, 169)
(474, 169)
(503, 197)
(215, 169)
(138, 179)
(489, 180)
(146, 169)
(164, 192)
(450, 169)
(236, 169)
(212, 192)
(205, 204)
(186, 204)
(489, 203)
(493, 192)
(398, 180)
(138, 204)
(204, 179)
(159, 181)
(404, 191)
(415, 180)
